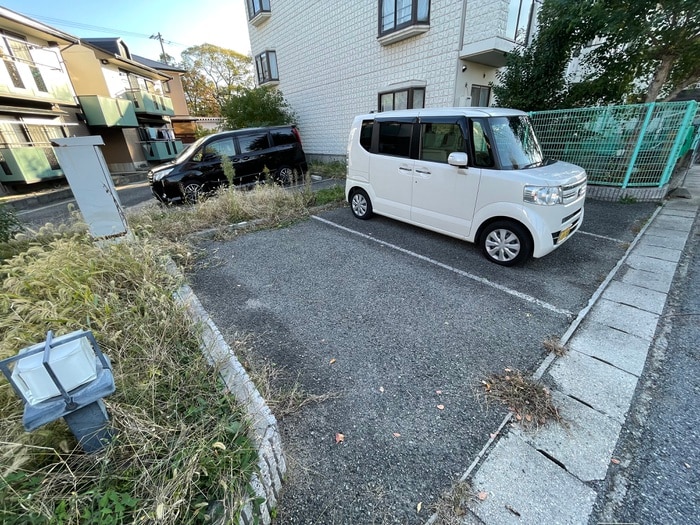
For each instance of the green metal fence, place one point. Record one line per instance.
(623, 146)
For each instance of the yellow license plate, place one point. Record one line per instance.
(564, 234)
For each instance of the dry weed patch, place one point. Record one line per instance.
(530, 401)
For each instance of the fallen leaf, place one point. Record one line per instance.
(438, 392)
(332, 361)
(418, 507)
(396, 435)
(615, 460)
(528, 417)
(339, 438)
(219, 445)
(482, 495)
(493, 436)
(441, 407)
(686, 465)
(509, 369)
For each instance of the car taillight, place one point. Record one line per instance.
(296, 134)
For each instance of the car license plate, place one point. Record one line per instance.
(564, 234)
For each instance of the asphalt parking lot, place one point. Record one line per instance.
(399, 325)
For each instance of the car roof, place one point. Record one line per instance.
(446, 112)
(245, 130)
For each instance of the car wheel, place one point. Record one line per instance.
(506, 243)
(360, 204)
(191, 192)
(284, 175)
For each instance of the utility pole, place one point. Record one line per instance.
(159, 37)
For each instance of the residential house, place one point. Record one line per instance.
(37, 101)
(124, 101)
(332, 61)
(184, 125)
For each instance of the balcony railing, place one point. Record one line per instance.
(108, 112)
(29, 81)
(161, 150)
(150, 103)
(28, 164)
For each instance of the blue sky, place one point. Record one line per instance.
(182, 23)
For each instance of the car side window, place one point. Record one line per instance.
(483, 156)
(395, 138)
(282, 137)
(366, 134)
(218, 148)
(253, 142)
(438, 140)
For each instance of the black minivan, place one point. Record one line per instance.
(198, 170)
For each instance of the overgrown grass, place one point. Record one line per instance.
(333, 170)
(181, 455)
(269, 204)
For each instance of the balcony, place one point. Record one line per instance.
(161, 150)
(36, 82)
(489, 52)
(146, 103)
(28, 165)
(108, 112)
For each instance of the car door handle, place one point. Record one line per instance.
(405, 168)
(423, 172)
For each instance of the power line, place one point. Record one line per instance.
(100, 29)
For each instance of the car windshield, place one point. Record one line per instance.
(516, 142)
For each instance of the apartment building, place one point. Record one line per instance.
(37, 101)
(333, 61)
(124, 101)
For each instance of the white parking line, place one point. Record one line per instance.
(619, 241)
(473, 277)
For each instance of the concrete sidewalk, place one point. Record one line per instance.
(545, 476)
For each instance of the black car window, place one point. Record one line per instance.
(283, 136)
(395, 138)
(253, 142)
(366, 134)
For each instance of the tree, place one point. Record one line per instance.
(199, 95)
(214, 75)
(657, 39)
(260, 106)
(534, 77)
(644, 49)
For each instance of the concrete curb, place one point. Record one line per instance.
(267, 482)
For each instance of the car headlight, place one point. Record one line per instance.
(543, 195)
(160, 174)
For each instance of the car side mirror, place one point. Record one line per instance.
(458, 159)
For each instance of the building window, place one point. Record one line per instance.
(255, 7)
(402, 99)
(398, 14)
(266, 66)
(17, 51)
(480, 96)
(518, 23)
